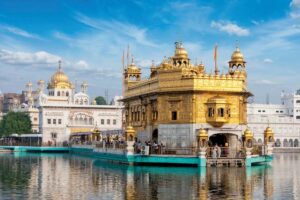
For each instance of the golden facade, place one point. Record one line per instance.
(181, 93)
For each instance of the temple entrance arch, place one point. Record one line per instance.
(155, 135)
(229, 143)
(219, 139)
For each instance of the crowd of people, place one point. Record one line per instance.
(154, 147)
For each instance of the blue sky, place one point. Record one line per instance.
(89, 36)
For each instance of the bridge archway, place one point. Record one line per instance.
(229, 143)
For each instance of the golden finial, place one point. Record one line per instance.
(59, 65)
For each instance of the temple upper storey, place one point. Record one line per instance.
(177, 73)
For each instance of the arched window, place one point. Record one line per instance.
(291, 143)
(62, 93)
(58, 93)
(210, 112)
(296, 143)
(277, 143)
(67, 94)
(221, 112)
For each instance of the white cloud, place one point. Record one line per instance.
(117, 27)
(268, 60)
(295, 9)
(24, 58)
(18, 31)
(81, 64)
(230, 28)
(295, 4)
(265, 82)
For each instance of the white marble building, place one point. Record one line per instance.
(283, 118)
(60, 112)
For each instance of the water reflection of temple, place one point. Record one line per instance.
(72, 177)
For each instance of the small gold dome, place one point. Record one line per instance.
(202, 133)
(247, 133)
(29, 83)
(268, 130)
(237, 55)
(180, 51)
(41, 82)
(201, 65)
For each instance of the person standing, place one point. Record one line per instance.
(214, 152)
(219, 151)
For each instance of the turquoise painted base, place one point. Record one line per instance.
(258, 160)
(135, 159)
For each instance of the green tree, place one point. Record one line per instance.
(15, 122)
(100, 100)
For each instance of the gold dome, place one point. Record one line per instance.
(41, 82)
(237, 55)
(202, 133)
(29, 84)
(59, 80)
(132, 65)
(59, 77)
(180, 51)
(268, 130)
(248, 133)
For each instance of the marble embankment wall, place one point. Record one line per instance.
(286, 150)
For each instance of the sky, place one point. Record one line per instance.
(89, 37)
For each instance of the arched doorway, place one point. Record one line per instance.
(229, 143)
(155, 135)
(218, 139)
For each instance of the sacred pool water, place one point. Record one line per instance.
(63, 176)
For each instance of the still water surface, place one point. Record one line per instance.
(65, 177)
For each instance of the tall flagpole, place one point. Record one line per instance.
(215, 58)
(128, 53)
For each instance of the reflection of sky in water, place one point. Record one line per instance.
(60, 176)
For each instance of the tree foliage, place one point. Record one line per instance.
(15, 122)
(100, 100)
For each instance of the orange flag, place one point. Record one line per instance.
(215, 55)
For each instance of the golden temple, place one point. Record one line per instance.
(179, 98)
